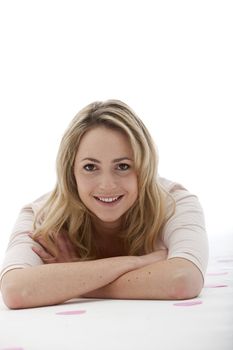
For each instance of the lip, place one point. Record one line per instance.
(108, 204)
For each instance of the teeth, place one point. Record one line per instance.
(108, 200)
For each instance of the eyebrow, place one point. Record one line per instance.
(114, 160)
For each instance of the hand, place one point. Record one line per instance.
(66, 250)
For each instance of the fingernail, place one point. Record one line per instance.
(35, 249)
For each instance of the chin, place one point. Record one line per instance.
(109, 220)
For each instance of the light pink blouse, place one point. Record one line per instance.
(184, 234)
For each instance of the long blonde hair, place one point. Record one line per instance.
(64, 210)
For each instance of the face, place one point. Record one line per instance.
(105, 174)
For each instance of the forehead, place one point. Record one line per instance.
(103, 141)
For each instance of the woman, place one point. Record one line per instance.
(111, 228)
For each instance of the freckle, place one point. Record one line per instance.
(136, 278)
(149, 272)
(100, 276)
(128, 280)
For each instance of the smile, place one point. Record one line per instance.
(108, 200)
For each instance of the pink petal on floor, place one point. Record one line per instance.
(215, 285)
(217, 273)
(188, 303)
(71, 312)
(11, 349)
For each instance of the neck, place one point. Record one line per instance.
(107, 239)
(107, 229)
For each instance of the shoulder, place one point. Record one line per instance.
(171, 186)
(180, 194)
(36, 204)
(185, 205)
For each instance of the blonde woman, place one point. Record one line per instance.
(111, 228)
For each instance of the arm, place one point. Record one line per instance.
(57, 282)
(175, 278)
(181, 275)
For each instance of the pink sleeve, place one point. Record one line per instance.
(19, 253)
(184, 234)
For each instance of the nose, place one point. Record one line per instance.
(107, 183)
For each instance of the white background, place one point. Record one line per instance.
(171, 61)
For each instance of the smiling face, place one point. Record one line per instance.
(105, 175)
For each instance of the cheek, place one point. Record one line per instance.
(132, 185)
(83, 185)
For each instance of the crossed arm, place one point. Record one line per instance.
(175, 278)
(150, 276)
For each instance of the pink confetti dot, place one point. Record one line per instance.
(215, 285)
(71, 312)
(188, 303)
(11, 349)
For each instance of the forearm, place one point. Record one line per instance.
(55, 283)
(165, 280)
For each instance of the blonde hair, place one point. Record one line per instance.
(64, 210)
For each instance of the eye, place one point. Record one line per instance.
(89, 167)
(123, 166)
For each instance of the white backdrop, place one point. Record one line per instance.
(171, 61)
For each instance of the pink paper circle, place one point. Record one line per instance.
(215, 285)
(71, 312)
(188, 303)
(11, 349)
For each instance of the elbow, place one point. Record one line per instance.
(13, 294)
(12, 298)
(183, 287)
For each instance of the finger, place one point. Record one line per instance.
(45, 256)
(65, 245)
(62, 242)
(70, 245)
(44, 244)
